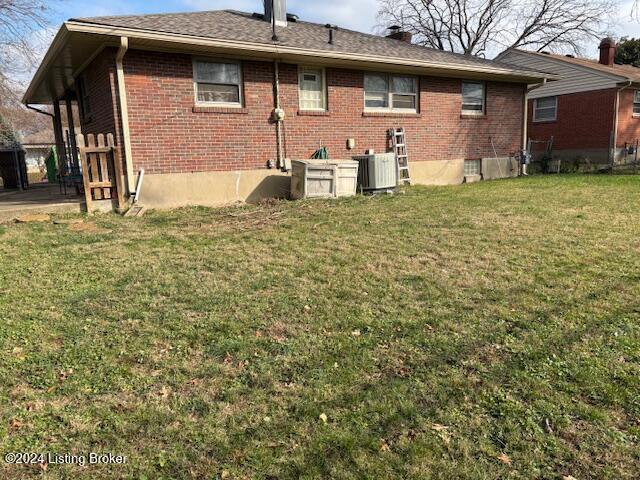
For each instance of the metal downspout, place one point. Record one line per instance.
(277, 116)
(124, 115)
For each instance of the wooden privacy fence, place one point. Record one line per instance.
(101, 170)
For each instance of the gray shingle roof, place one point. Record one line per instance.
(245, 27)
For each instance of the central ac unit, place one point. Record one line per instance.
(377, 172)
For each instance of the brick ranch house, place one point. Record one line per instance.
(190, 98)
(593, 106)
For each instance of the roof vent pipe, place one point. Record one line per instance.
(332, 30)
(275, 11)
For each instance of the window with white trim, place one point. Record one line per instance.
(473, 98)
(383, 91)
(312, 89)
(472, 167)
(545, 109)
(218, 83)
(636, 103)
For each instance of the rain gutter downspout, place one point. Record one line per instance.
(278, 116)
(525, 126)
(612, 152)
(30, 107)
(124, 114)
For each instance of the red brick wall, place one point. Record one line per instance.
(628, 125)
(584, 120)
(101, 82)
(169, 135)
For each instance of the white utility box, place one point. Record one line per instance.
(323, 178)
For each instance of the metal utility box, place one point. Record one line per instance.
(377, 172)
(323, 178)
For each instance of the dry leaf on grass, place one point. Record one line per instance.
(504, 458)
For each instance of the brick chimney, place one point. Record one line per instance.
(398, 34)
(607, 51)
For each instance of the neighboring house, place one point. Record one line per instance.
(592, 107)
(192, 97)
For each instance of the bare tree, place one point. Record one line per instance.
(22, 26)
(475, 27)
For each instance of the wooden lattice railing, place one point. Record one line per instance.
(101, 170)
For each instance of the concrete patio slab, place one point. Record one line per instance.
(38, 198)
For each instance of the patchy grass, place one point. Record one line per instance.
(482, 331)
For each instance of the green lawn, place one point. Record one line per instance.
(482, 331)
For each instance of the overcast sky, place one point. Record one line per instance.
(355, 14)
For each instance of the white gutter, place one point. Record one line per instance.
(124, 114)
(615, 122)
(75, 26)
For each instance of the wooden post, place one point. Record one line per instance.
(117, 171)
(84, 165)
(57, 130)
(72, 132)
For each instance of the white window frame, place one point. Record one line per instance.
(484, 98)
(390, 94)
(535, 110)
(240, 84)
(636, 101)
(302, 69)
(476, 161)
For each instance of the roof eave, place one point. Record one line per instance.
(516, 75)
(56, 45)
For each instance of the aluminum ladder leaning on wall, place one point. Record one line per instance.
(399, 144)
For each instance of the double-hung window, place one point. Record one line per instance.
(390, 92)
(636, 103)
(545, 109)
(312, 89)
(218, 83)
(473, 98)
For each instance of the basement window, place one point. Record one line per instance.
(384, 92)
(312, 89)
(473, 98)
(636, 103)
(471, 167)
(217, 83)
(545, 109)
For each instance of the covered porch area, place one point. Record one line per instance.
(38, 198)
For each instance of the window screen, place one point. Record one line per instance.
(217, 82)
(393, 92)
(473, 97)
(545, 109)
(312, 89)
